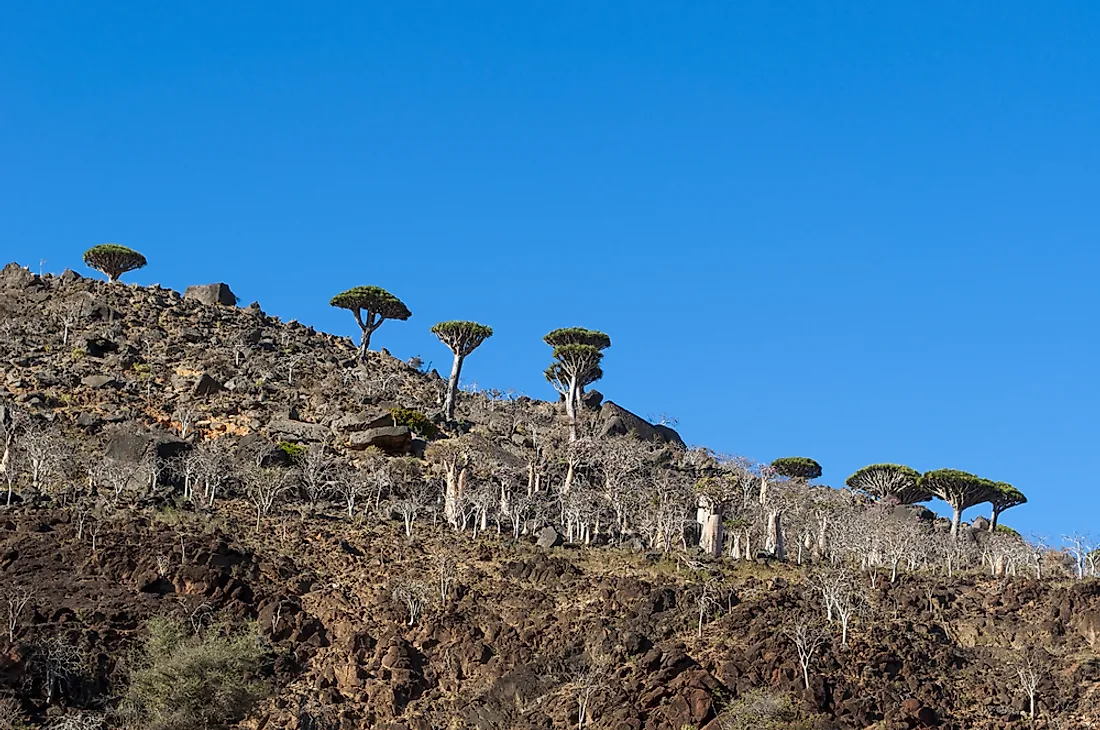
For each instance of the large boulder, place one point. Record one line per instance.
(132, 445)
(206, 386)
(618, 421)
(391, 439)
(211, 294)
(548, 537)
(364, 421)
(287, 430)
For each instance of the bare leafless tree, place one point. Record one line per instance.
(589, 675)
(1031, 664)
(415, 597)
(185, 419)
(808, 636)
(446, 568)
(841, 595)
(69, 315)
(1083, 551)
(317, 474)
(16, 599)
(114, 475)
(414, 499)
(264, 487)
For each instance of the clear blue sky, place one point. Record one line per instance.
(858, 231)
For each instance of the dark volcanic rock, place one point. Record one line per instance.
(206, 386)
(298, 431)
(211, 294)
(391, 439)
(617, 421)
(98, 381)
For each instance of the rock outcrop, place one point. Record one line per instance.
(211, 294)
(617, 421)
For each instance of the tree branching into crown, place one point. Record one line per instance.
(462, 338)
(797, 467)
(574, 364)
(113, 260)
(584, 351)
(371, 306)
(959, 489)
(889, 481)
(1003, 496)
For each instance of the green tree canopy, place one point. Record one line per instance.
(113, 260)
(959, 489)
(462, 337)
(371, 305)
(885, 481)
(372, 300)
(577, 336)
(797, 467)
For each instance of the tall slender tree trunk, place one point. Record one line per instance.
(571, 409)
(364, 343)
(452, 388)
(993, 520)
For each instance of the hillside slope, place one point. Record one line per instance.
(365, 626)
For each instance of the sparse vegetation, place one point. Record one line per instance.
(294, 502)
(190, 680)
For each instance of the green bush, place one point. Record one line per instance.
(417, 422)
(188, 681)
(293, 451)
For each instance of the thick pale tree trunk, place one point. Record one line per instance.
(993, 520)
(956, 518)
(570, 475)
(452, 495)
(452, 388)
(710, 519)
(773, 542)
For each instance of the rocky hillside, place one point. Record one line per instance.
(376, 620)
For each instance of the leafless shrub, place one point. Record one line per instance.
(760, 709)
(61, 663)
(77, 721)
(415, 597)
(11, 714)
(446, 571)
(16, 600)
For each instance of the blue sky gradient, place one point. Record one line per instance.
(857, 231)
